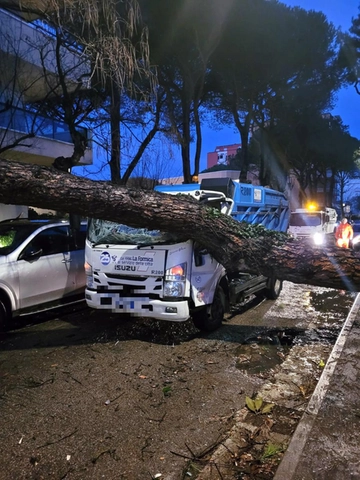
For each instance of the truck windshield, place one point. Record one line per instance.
(103, 231)
(305, 219)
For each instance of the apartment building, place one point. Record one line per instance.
(222, 154)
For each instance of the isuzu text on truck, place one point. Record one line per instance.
(156, 274)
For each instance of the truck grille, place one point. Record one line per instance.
(128, 286)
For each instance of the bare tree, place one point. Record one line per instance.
(114, 51)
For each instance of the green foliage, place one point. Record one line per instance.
(279, 78)
(271, 450)
(349, 57)
(314, 144)
(7, 239)
(167, 390)
(215, 212)
(258, 406)
(253, 231)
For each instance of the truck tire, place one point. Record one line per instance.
(273, 289)
(210, 318)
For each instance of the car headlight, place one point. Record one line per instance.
(318, 238)
(174, 284)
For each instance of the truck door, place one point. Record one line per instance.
(205, 275)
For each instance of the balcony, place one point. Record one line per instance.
(52, 138)
(26, 8)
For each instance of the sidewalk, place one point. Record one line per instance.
(326, 443)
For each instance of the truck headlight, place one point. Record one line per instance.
(318, 238)
(174, 284)
(89, 275)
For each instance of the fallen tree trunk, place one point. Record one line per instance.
(227, 240)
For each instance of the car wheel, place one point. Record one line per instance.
(210, 318)
(273, 289)
(4, 317)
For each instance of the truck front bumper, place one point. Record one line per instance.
(175, 311)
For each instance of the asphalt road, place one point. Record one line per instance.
(87, 395)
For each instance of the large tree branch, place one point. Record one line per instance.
(227, 240)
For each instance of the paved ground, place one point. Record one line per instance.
(326, 444)
(91, 397)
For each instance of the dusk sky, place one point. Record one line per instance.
(340, 13)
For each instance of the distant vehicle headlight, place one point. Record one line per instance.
(356, 240)
(318, 238)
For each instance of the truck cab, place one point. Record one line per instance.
(317, 224)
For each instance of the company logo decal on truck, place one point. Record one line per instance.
(149, 262)
(105, 258)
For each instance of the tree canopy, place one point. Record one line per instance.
(264, 66)
(251, 64)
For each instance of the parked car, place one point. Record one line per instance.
(41, 266)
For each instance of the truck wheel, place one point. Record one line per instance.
(273, 289)
(210, 318)
(4, 317)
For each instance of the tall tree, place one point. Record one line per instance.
(182, 37)
(349, 56)
(272, 55)
(314, 148)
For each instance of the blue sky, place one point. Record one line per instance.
(340, 13)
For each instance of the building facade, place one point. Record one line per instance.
(29, 73)
(222, 154)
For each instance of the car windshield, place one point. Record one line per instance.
(305, 219)
(12, 235)
(103, 231)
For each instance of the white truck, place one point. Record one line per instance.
(317, 224)
(161, 275)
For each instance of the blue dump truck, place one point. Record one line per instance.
(150, 273)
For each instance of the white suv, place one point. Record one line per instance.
(41, 266)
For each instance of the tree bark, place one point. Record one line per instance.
(228, 241)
